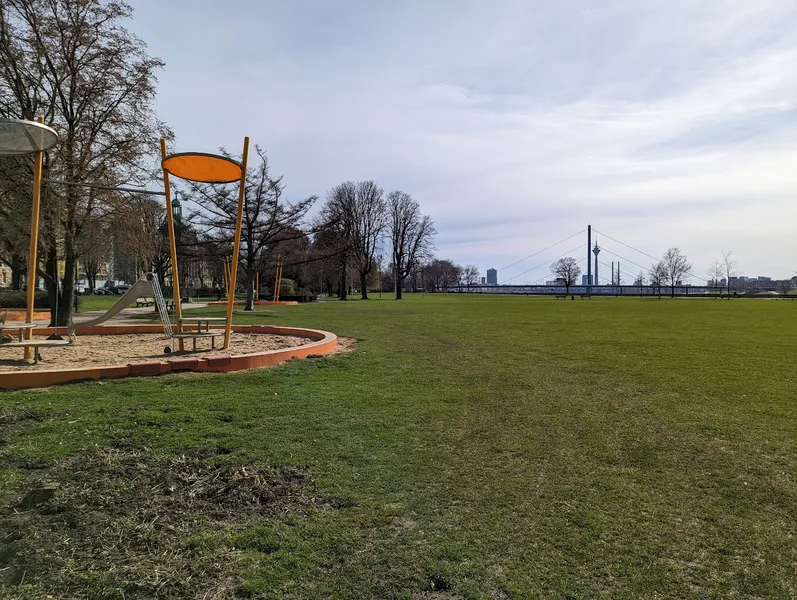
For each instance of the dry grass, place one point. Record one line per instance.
(126, 523)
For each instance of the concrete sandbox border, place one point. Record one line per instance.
(322, 342)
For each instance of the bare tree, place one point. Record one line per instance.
(676, 265)
(336, 230)
(267, 218)
(368, 225)
(411, 235)
(715, 274)
(729, 268)
(440, 274)
(470, 275)
(567, 270)
(640, 281)
(76, 65)
(658, 276)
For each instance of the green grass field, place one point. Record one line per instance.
(471, 447)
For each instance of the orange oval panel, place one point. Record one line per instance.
(204, 168)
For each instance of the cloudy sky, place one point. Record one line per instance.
(513, 123)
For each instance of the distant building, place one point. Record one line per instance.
(492, 277)
(5, 276)
(484, 280)
(586, 280)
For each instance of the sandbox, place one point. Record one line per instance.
(138, 350)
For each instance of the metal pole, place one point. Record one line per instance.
(34, 241)
(178, 309)
(589, 252)
(236, 244)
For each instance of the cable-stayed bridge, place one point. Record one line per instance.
(608, 265)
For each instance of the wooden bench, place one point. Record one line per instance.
(193, 335)
(587, 296)
(145, 302)
(561, 297)
(36, 344)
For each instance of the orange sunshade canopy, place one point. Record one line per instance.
(204, 168)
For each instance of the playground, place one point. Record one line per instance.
(123, 348)
(100, 350)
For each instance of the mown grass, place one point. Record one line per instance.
(474, 447)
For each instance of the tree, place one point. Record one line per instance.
(676, 265)
(715, 274)
(657, 275)
(640, 281)
(411, 235)
(470, 275)
(336, 221)
(75, 64)
(267, 220)
(729, 268)
(368, 220)
(440, 274)
(567, 270)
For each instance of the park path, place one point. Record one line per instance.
(126, 317)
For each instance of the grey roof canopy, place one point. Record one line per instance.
(25, 137)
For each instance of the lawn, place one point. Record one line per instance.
(471, 447)
(90, 303)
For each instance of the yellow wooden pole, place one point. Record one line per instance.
(236, 244)
(226, 279)
(276, 280)
(34, 241)
(178, 309)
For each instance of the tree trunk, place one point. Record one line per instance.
(65, 306)
(51, 280)
(16, 279)
(399, 285)
(672, 291)
(343, 269)
(250, 288)
(364, 286)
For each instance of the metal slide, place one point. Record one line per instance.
(142, 287)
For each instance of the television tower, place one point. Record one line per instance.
(596, 250)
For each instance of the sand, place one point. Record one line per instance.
(96, 350)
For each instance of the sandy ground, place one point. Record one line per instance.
(93, 350)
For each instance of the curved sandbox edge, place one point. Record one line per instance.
(256, 303)
(323, 343)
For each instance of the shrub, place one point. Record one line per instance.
(287, 287)
(19, 299)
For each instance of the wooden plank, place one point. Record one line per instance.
(36, 344)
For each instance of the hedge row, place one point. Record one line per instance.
(19, 299)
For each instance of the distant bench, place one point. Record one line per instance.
(561, 297)
(587, 296)
(145, 302)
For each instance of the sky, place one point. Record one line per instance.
(514, 124)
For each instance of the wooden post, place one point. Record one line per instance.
(236, 244)
(178, 309)
(257, 287)
(277, 279)
(34, 241)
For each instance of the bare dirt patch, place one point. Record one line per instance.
(101, 350)
(129, 524)
(346, 345)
